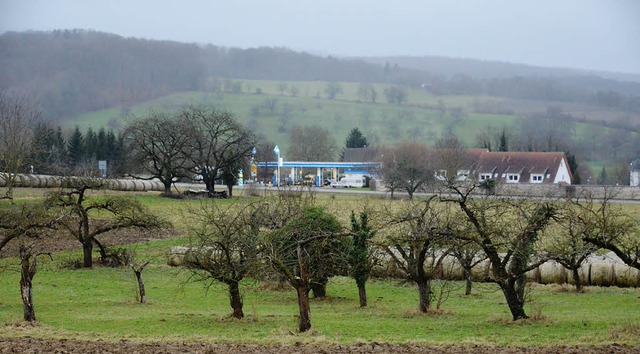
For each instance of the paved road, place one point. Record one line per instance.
(362, 191)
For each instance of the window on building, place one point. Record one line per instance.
(485, 176)
(513, 177)
(537, 178)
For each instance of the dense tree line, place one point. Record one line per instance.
(72, 71)
(57, 153)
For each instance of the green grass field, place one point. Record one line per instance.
(382, 123)
(100, 303)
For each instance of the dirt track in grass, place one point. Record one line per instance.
(28, 345)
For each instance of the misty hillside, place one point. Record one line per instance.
(73, 71)
(483, 69)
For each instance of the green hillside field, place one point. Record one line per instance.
(418, 118)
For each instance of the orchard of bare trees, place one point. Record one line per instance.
(294, 238)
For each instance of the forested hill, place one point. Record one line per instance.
(73, 71)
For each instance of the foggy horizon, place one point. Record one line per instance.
(589, 35)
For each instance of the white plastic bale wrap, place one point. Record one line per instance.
(45, 181)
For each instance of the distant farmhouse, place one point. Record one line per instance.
(481, 165)
(523, 167)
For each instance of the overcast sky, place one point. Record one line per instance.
(586, 34)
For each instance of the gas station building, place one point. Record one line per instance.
(324, 170)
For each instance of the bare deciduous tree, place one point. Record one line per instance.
(613, 228)
(311, 144)
(160, 147)
(367, 93)
(507, 231)
(450, 161)
(137, 269)
(18, 120)
(333, 89)
(83, 222)
(566, 244)
(418, 241)
(224, 246)
(282, 87)
(406, 167)
(27, 224)
(218, 142)
(306, 251)
(389, 170)
(468, 255)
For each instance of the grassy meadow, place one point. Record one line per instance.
(100, 303)
(418, 118)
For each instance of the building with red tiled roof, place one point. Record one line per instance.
(482, 164)
(522, 167)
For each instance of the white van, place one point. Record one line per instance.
(354, 182)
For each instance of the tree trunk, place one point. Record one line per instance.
(230, 188)
(28, 271)
(516, 304)
(362, 294)
(305, 309)
(167, 187)
(424, 292)
(576, 278)
(520, 286)
(319, 288)
(209, 183)
(467, 276)
(87, 250)
(236, 299)
(143, 294)
(302, 288)
(9, 179)
(101, 249)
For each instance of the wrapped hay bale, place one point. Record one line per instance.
(42, 181)
(129, 185)
(451, 269)
(552, 272)
(157, 186)
(481, 271)
(21, 181)
(602, 273)
(626, 276)
(54, 182)
(176, 256)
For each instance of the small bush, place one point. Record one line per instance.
(116, 257)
